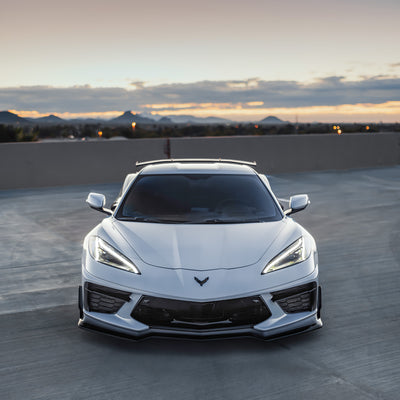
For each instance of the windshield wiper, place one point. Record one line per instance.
(219, 221)
(152, 219)
(227, 221)
(200, 221)
(138, 219)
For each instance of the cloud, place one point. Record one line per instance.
(251, 93)
(137, 84)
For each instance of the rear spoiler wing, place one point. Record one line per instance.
(195, 160)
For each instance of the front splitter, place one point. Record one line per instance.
(195, 335)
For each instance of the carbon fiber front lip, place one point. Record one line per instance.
(191, 335)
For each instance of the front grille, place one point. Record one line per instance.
(297, 299)
(103, 299)
(161, 312)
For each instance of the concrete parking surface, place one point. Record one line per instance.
(354, 216)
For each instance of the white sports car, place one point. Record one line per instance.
(199, 248)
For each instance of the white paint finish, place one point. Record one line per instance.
(200, 246)
(180, 284)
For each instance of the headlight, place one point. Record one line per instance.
(293, 254)
(104, 253)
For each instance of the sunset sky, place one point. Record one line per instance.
(316, 60)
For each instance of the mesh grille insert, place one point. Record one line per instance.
(161, 312)
(298, 299)
(103, 299)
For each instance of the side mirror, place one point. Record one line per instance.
(297, 203)
(97, 201)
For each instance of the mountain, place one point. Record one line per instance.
(215, 120)
(7, 117)
(190, 119)
(272, 121)
(50, 120)
(164, 121)
(128, 117)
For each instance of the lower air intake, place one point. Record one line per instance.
(161, 312)
(297, 299)
(103, 299)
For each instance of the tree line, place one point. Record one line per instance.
(16, 133)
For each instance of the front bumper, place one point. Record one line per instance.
(307, 326)
(269, 315)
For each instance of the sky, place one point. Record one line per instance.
(310, 60)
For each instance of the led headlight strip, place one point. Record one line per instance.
(293, 254)
(104, 253)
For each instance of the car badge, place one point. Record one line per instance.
(201, 282)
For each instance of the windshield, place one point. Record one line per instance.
(198, 199)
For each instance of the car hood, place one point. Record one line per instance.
(197, 246)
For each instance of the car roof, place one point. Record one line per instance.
(197, 168)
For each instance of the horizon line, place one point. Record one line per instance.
(283, 114)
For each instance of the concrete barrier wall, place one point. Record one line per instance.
(291, 153)
(24, 165)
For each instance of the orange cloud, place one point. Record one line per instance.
(253, 111)
(67, 115)
(255, 103)
(388, 111)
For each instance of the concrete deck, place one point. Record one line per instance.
(355, 218)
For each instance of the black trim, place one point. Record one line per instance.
(119, 294)
(153, 333)
(282, 294)
(80, 302)
(319, 302)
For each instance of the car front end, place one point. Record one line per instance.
(200, 277)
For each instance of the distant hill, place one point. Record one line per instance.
(8, 118)
(215, 120)
(165, 121)
(271, 120)
(190, 119)
(50, 120)
(128, 117)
